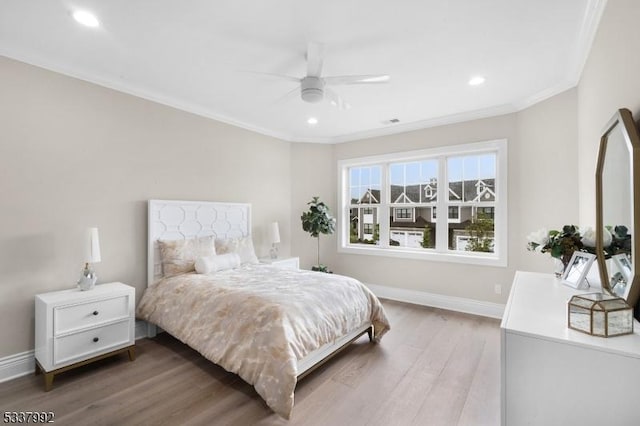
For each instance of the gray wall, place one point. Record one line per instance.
(542, 192)
(610, 80)
(73, 155)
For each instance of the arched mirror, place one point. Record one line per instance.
(618, 208)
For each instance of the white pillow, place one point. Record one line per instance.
(179, 256)
(242, 246)
(213, 264)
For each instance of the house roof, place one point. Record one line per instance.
(471, 190)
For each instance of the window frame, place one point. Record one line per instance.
(500, 255)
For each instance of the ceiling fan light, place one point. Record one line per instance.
(312, 89)
(312, 95)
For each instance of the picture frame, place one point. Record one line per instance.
(621, 278)
(575, 273)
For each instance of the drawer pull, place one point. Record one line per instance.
(95, 312)
(95, 339)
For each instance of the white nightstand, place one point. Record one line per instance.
(74, 327)
(283, 262)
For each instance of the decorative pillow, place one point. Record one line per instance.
(179, 256)
(242, 246)
(219, 262)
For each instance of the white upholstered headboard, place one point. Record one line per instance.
(176, 220)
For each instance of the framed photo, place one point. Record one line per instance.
(574, 275)
(620, 279)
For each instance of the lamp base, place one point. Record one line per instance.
(273, 252)
(88, 279)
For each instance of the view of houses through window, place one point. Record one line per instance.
(409, 191)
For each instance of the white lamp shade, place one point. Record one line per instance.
(274, 233)
(92, 254)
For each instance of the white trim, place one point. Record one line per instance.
(206, 112)
(22, 364)
(18, 365)
(441, 253)
(590, 24)
(139, 92)
(451, 303)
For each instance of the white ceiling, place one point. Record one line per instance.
(194, 56)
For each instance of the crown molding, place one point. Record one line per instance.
(122, 87)
(589, 28)
(588, 31)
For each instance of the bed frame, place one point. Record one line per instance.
(175, 220)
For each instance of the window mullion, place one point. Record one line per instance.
(442, 232)
(383, 219)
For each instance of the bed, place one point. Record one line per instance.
(269, 325)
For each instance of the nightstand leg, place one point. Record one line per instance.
(48, 381)
(38, 370)
(132, 353)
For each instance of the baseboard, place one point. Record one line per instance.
(14, 366)
(141, 329)
(18, 365)
(452, 303)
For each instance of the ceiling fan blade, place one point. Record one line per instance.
(357, 79)
(336, 100)
(287, 96)
(273, 75)
(314, 59)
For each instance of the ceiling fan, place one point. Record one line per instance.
(313, 86)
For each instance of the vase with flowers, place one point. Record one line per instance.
(561, 244)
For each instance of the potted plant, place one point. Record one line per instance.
(318, 220)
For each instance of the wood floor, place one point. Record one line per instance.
(434, 367)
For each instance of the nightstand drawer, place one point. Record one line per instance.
(92, 342)
(76, 317)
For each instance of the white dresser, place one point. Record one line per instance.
(552, 375)
(76, 327)
(283, 262)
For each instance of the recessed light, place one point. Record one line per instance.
(312, 121)
(86, 18)
(476, 81)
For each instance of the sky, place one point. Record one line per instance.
(470, 167)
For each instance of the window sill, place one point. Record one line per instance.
(408, 253)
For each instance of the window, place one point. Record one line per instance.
(403, 214)
(388, 204)
(454, 212)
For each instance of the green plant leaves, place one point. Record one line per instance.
(318, 219)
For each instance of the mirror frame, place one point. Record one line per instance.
(624, 118)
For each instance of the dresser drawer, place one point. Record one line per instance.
(88, 343)
(79, 316)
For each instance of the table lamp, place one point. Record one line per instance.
(274, 238)
(92, 255)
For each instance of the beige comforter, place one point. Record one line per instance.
(258, 321)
